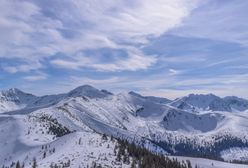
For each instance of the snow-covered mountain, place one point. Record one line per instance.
(14, 99)
(88, 91)
(210, 102)
(161, 100)
(236, 103)
(70, 126)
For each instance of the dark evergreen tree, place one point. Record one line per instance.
(18, 165)
(34, 163)
(44, 155)
(145, 158)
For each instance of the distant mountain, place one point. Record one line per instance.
(161, 100)
(89, 91)
(200, 102)
(14, 99)
(236, 103)
(83, 125)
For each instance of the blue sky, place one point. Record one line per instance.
(160, 47)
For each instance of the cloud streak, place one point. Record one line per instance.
(223, 22)
(35, 77)
(161, 47)
(47, 28)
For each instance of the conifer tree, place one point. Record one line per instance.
(34, 163)
(18, 164)
(44, 155)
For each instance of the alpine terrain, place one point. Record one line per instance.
(87, 127)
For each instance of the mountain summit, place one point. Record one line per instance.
(84, 126)
(89, 91)
(14, 99)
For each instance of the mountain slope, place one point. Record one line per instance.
(59, 121)
(236, 103)
(160, 100)
(14, 99)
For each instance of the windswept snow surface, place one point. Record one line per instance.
(31, 125)
(235, 154)
(207, 163)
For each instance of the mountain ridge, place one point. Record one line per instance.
(87, 113)
(192, 102)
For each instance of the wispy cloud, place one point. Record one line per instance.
(175, 72)
(217, 20)
(161, 47)
(21, 67)
(132, 63)
(37, 77)
(50, 27)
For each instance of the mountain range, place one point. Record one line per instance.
(70, 126)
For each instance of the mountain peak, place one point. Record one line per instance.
(202, 102)
(11, 90)
(135, 94)
(237, 103)
(107, 92)
(210, 95)
(14, 99)
(14, 89)
(14, 92)
(85, 87)
(87, 90)
(155, 99)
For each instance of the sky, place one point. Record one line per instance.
(154, 47)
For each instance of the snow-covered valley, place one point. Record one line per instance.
(57, 129)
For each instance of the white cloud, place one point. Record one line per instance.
(37, 77)
(66, 64)
(134, 20)
(134, 61)
(183, 59)
(43, 28)
(175, 72)
(22, 67)
(10, 69)
(106, 81)
(217, 20)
